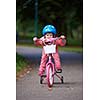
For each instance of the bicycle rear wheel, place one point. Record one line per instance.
(50, 76)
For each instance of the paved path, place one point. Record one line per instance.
(29, 88)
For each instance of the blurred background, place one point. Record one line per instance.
(65, 15)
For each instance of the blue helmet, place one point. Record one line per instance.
(49, 28)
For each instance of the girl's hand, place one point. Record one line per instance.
(35, 38)
(62, 36)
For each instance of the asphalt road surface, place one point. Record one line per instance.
(29, 87)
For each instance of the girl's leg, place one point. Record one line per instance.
(42, 64)
(57, 61)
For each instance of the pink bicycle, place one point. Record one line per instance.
(50, 66)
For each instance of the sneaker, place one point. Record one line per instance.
(58, 70)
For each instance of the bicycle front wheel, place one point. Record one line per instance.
(50, 76)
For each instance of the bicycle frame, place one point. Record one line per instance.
(50, 66)
(50, 74)
(50, 71)
(50, 62)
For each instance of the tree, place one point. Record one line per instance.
(66, 15)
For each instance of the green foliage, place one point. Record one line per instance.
(20, 63)
(66, 15)
(73, 42)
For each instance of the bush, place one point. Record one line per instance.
(21, 62)
(73, 42)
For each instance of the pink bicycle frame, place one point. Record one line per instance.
(53, 68)
(51, 63)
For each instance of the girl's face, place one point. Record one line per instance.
(49, 35)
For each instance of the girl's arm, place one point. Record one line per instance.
(61, 41)
(37, 41)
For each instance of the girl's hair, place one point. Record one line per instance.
(53, 35)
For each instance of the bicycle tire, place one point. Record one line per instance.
(50, 76)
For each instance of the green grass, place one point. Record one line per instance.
(71, 49)
(21, 63)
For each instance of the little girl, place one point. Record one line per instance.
(49, 31)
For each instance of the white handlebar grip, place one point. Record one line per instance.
(35, 38)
